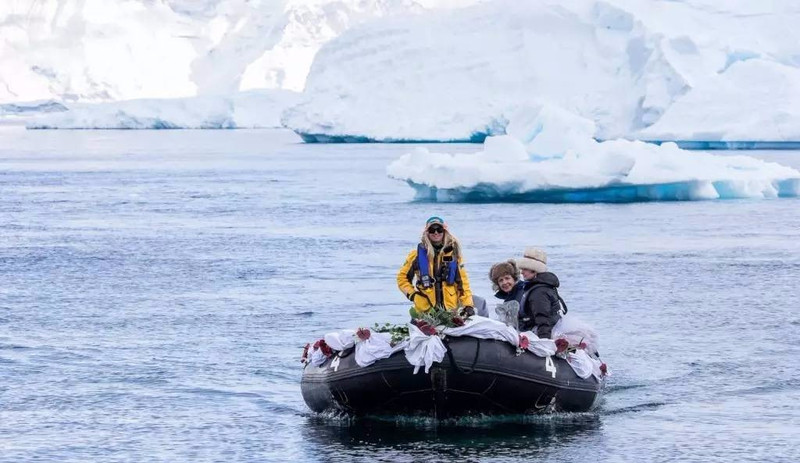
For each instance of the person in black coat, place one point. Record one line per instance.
(540, 310)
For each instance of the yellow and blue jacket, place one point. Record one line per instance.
(449, 288)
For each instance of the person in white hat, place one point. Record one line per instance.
(540, 308)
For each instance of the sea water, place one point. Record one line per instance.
(157, 288)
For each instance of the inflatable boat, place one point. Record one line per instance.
(477, 376)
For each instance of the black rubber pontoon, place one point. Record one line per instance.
(486, 377)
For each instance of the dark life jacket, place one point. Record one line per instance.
(447, 272)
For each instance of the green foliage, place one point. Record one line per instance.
(434, 317)
(441, 317)
(398, 332)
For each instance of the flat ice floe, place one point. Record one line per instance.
(550, 156)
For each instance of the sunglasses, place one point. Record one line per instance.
(436, 230)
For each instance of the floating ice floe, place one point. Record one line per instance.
(550, 156)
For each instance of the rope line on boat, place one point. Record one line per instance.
(453, 360)
(347, 352)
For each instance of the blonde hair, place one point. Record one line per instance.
(448, 239)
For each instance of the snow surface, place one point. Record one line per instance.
(621, 63)
(550, 156)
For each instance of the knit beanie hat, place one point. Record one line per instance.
(502, 269)
(533, 259)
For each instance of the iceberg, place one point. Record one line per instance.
(457, 76)
(550, 156)
(752, 101)
(243, 110)
(622, 64)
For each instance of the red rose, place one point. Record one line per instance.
(324, 347)
(603, 368)
(458, 321)
(326, 350)
(363, 334)
(305, 353)
(524, 342)
(561, 345)
(426, 328)
(582, 345)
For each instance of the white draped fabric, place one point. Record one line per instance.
(485, 328)
(576, 331)
(539, 347)
(317, 358)
(341, 340)
(422, 350)
(377, 347)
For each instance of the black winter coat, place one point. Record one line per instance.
(541, 309)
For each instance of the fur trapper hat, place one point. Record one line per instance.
(501, 269)
(533, 259)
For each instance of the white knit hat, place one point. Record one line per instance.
(534, 259)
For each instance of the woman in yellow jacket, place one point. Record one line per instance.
(433, 274)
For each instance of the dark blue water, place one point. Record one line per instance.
(156, 289)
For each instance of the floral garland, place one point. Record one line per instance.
(430, 323)
(321, 345)
(398, 332)
(563, 349)
(427, 322)
(361, 334)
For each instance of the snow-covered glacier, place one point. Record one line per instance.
(252, 109)
(550, 155)
(752, 101)
(110, 50)
(627, 65)
(456, 76)
(75, 52)
(699, 71)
